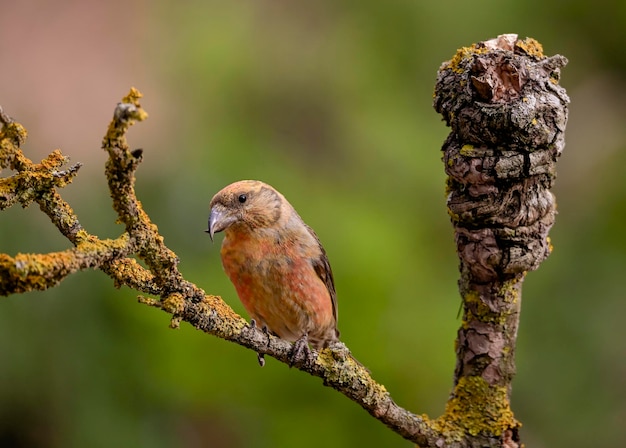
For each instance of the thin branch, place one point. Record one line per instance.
(179, 297)
(28, 272)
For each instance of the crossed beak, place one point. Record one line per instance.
(219, 219)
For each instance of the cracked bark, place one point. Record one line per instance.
(507, 113)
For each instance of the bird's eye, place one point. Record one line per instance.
(242, 198)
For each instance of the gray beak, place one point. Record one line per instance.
(218, 220)
(213, 218)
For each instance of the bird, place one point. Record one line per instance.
(277, 265)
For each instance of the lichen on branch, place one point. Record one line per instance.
(507, 116)
(183, 300)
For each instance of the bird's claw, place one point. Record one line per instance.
(261, 356)
(266, 331)
(300, 350)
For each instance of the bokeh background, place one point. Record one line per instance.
(330, 102)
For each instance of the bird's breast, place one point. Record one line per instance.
(277, 283)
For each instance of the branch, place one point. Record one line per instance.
(508, 114)
(178, 297)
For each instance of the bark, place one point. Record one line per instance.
(507, 113)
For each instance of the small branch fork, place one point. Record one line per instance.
(177, 296)
(478, 413)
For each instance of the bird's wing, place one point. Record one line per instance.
(323, 270)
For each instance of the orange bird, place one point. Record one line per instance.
(276, 263)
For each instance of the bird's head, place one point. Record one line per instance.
(245, 204)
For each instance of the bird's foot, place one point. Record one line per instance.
(300, 350)
(261, 356)
(267, 334)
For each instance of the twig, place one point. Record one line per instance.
(179, 297)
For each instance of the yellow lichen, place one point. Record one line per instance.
(175, 322)
(14, 131)
(174, 303)
(531, 47)
(462, 54)
(455, 217)
(326, 358)
(477, 309)
(473, 298)
(467, 150)
(550, 246)
(476, 407)
(148, 301)
(133, 97)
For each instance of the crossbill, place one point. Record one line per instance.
(276, 263)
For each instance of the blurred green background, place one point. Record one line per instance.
(330, 102)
